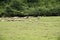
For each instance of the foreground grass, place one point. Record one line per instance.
(40, 28)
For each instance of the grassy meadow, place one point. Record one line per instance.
(32, 28)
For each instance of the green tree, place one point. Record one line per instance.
(17, 6)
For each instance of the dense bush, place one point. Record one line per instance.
(20, 8)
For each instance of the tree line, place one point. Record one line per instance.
(21, 8)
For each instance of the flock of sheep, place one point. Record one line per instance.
(16, 18)
(10, 19)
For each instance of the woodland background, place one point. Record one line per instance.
(21, 8)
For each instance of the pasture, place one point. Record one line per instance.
(33, 28)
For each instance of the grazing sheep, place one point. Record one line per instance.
(18, 19)
(26, 17)
(12, 19)
(15, 17)
(36, 20)
(2, 20)
(30, 20)
(38, 17)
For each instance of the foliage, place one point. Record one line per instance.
(29, 7)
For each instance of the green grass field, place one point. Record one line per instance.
(34, 28)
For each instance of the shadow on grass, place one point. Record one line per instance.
(1, 38)
(58, 38)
